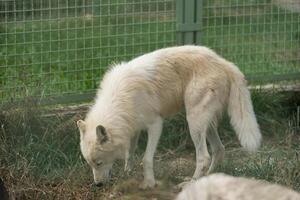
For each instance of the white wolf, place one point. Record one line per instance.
(138, 94)
(221, 187)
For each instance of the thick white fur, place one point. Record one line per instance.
(242, 115)
(225, 187)
(139, 94)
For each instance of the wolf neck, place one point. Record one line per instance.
(114, 106)
(116, 115)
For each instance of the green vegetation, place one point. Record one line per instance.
(261, 38)
(43, 56)
(50, 55)
(40, 156)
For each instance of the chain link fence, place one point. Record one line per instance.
(54, 48)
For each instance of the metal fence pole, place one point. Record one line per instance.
(188, 21)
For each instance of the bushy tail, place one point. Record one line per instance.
(241, 113)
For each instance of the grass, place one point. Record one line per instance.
(262, 39)
(40, 156)
(43, 54)
(51, 53)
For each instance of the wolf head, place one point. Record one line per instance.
(98, 150)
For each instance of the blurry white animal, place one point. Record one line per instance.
(139, 94)
(225, 187)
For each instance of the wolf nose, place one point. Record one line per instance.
(99, 184)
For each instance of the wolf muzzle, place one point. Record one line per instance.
(101, 183)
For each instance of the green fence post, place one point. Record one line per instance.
(188, 21)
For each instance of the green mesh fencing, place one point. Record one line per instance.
(55, 48)
(261, 36)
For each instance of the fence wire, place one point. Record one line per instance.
(261, 36)
(53, 48)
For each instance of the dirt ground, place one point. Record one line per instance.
(277, 161)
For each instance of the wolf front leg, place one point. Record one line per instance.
(129, 155)
(154, 132)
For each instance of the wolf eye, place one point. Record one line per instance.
(99, 163)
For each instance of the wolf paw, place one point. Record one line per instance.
(148, 184)
(129, 165)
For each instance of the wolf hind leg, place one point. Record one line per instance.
(218, 149)
(200, 117)
(198, 136)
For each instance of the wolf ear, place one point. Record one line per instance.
(81, 125)
(101, 134)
